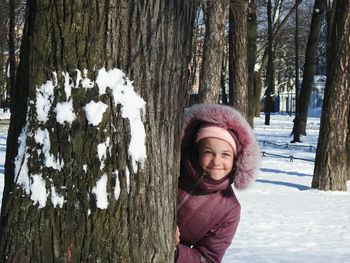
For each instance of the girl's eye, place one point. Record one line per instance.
(226, 155)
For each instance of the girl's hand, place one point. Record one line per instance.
(177, 236)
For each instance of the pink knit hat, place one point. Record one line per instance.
(210, 131)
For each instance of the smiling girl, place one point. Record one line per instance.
(218, 149)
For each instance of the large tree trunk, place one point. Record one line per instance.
(309, 67)
(348, 148)
(331, 164)
(210, 76)
(252, 35)
(118, 201)
(238, 64)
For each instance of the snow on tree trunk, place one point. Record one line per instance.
(92, 159)
(331, 165)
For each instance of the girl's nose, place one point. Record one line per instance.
(216, 160)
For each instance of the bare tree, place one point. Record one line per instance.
(12, 48)
(252, 37)
(331, 166)
(210, 77)
(238, 64)
(75, 189)
(268, 102)
(4, 13)
(309, 67)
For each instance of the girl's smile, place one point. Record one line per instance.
(216, 157)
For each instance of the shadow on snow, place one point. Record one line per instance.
(268, 170)
(297, 186)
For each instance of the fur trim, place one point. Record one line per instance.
(247, 161)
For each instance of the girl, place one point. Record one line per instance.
(218, 148)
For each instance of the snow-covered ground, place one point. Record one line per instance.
(283, 219)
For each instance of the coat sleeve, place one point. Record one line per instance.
(212, 247)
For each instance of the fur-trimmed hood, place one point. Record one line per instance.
(247, 161)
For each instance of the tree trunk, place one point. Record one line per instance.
(309, 67)
(3, 46)
(238, 64)
(252, 35)
(268, 103)
(348, 148)
(223, 77)
(77, 191)
(210, 76)
(331, 165)
(12, 49)
(257, 95)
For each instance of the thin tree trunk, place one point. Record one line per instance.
(252, 35)
(331, 163)
(223, 78)
(309, 67)
(12, 48)
(268, 103)
(238, 62)
(151, 42)
(3, 46)
(257, 96)
(196, 50)
(210, 76)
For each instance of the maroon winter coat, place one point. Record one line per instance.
(208, 211)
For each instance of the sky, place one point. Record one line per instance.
(283, 220)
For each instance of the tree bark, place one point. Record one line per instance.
(3, 45)
(268, 102)
(252, 36)
(331, 165)
(12, 49)
(210, 76)
(151, 42)
(238, 64)
(348, 148)
(309, 67)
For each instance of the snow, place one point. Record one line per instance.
(100, 190)
(56, 199)
(132, 108)
(94, 112)
(64, 112)
(102, 152)
(117, 186)
(283, 220)
(38, 190)
(21, 168)
(44, 99)
(42, 137)
(68, 85)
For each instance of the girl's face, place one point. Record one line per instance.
(216, 157)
